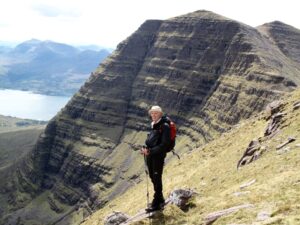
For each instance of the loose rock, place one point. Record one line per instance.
(273, 108)
(296, 105)
(274, 123)
(263, 215)
(180, 197)
(248, 184)
(290, 139)
(116, 218)
(253, 152)
(212, 217)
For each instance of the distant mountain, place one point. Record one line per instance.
(47, 67)
(5, 49)
(94, 48)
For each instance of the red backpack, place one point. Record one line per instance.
(173, 132)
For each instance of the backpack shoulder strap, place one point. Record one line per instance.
(161, 126)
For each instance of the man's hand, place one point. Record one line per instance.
(145, 151)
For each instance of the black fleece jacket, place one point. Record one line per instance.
(159, 138)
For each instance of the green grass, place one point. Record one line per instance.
(211, 171)
(16, 144)
(17, 137)
(8, 124)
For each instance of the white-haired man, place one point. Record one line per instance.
(157, 142)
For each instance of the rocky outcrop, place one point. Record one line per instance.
(276, 115)
(207, 71)
(253, 152)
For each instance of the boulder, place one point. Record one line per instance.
(180, 197)
(272, 108)
(116, 218)
(274, 123)
(253, 152)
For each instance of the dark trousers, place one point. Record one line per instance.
(155, 167)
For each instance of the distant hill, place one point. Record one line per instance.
(17, 138)
(9, 124)
(47, 67)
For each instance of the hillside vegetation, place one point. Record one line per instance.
(212, 172)
(8, 124)
(16, 144)
(17, 138)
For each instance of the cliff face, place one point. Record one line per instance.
(207, 71)
(285, 37)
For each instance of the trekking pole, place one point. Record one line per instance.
(147, 182)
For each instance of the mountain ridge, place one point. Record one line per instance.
(278, 31)
(47, 67)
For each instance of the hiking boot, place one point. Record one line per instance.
(157, 201)
(161, 202)
(157, 204)
(154, 208)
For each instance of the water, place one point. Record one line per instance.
(28, 105)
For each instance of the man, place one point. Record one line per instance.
(157, 142)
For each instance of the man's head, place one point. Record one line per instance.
(156, 113)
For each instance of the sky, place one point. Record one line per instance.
(107, 22)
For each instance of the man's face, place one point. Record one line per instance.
(155, 116)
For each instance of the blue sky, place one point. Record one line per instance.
(106, 23)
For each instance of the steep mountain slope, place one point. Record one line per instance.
(211, 171)
(207, 71)
(47, 67)
(285, 37)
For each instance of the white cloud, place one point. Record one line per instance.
(53, 11)
(108, 22)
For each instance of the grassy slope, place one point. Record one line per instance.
(17, 137)
(211, 171)
(8, 124)
(14, 145)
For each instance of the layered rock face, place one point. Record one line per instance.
(208, 72)
(285, 37)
